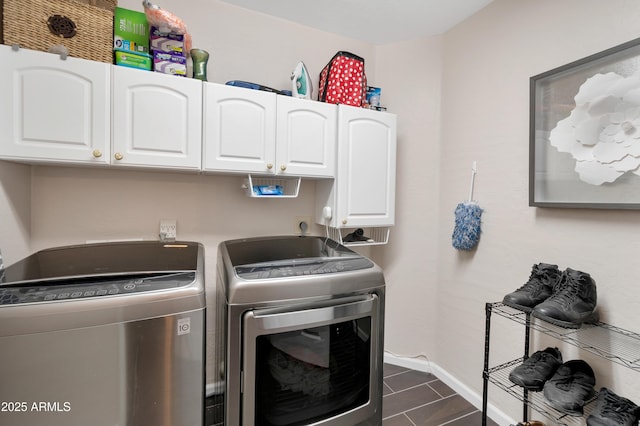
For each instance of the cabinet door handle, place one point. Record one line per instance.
(97, 153)
(269, 166)
(344, 221)
(283, 167)
(118, 156)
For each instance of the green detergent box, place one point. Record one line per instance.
(130, 31)
(129, 59)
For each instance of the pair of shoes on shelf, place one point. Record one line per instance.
(565, 298)
(537, 289)
(566, 387)
(533, 373)
(571, 387)
(613, 410)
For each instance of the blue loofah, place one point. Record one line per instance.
(466, 232)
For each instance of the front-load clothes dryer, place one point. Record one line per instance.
(104, 334)
(300, 323)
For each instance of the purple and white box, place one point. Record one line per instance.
(167, 42)
(167, 63)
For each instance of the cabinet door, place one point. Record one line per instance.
(157, 120)
(306, 137)
(239, 129)
(366, 173)
(53, 109)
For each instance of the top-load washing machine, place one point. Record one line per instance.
(104, 334)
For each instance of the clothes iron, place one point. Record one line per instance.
(301, 82)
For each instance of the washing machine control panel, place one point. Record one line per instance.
(91, 288)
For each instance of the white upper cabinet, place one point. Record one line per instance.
(252, 131)
(53, 110)
(239, 132)
(156, 120)
(305, 137)
(366, 176)
(363, 194)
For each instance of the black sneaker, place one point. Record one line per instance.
(573, 301)
(571, 387)
(536, 290)
(537, 369)
(613, 410)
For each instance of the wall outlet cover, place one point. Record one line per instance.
(168, 230)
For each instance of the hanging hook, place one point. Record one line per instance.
(473, 178)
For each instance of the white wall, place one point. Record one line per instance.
(15, 213)
(251, 46)
(410, 77)
(487, 62)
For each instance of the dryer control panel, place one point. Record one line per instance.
(303, 267)
(50, 291)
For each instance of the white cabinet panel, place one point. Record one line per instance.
(306, 137)
(53, 110)
(252, 131)
(366, 167)
(157, 120)
(239, 129)
(363, 193)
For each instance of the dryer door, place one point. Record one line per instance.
(311, 365)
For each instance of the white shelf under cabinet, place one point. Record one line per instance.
(377, 235)
(290, 186)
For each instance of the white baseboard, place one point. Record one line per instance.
(421, 364)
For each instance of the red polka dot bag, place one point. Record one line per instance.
(343, 81)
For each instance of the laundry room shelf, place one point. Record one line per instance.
(604, 340)
(499, 376)
(376, 235)
(609, 342)
(283, 187)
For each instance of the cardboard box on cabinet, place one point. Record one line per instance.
(130, 31)
(167, 63)
(167, 42)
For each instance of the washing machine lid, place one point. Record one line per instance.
(96, 284)
(102, 261)
(287, 256)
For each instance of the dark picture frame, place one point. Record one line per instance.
(584, 132)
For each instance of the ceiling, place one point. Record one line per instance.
(373, 21)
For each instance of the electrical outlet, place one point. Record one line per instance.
(299, 220)
(168, 230)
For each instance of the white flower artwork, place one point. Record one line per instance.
(602, 133)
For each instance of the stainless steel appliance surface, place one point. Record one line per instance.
(104, 334)
(300, 326)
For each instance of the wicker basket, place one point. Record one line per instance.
(109, 5)
(85, 28)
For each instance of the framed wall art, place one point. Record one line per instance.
(584, 137)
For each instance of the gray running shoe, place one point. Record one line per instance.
(573, 301)
(537, 369)
(613, 410)
(536, 290)
(571, 387)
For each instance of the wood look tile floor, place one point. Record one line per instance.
(414, 398)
